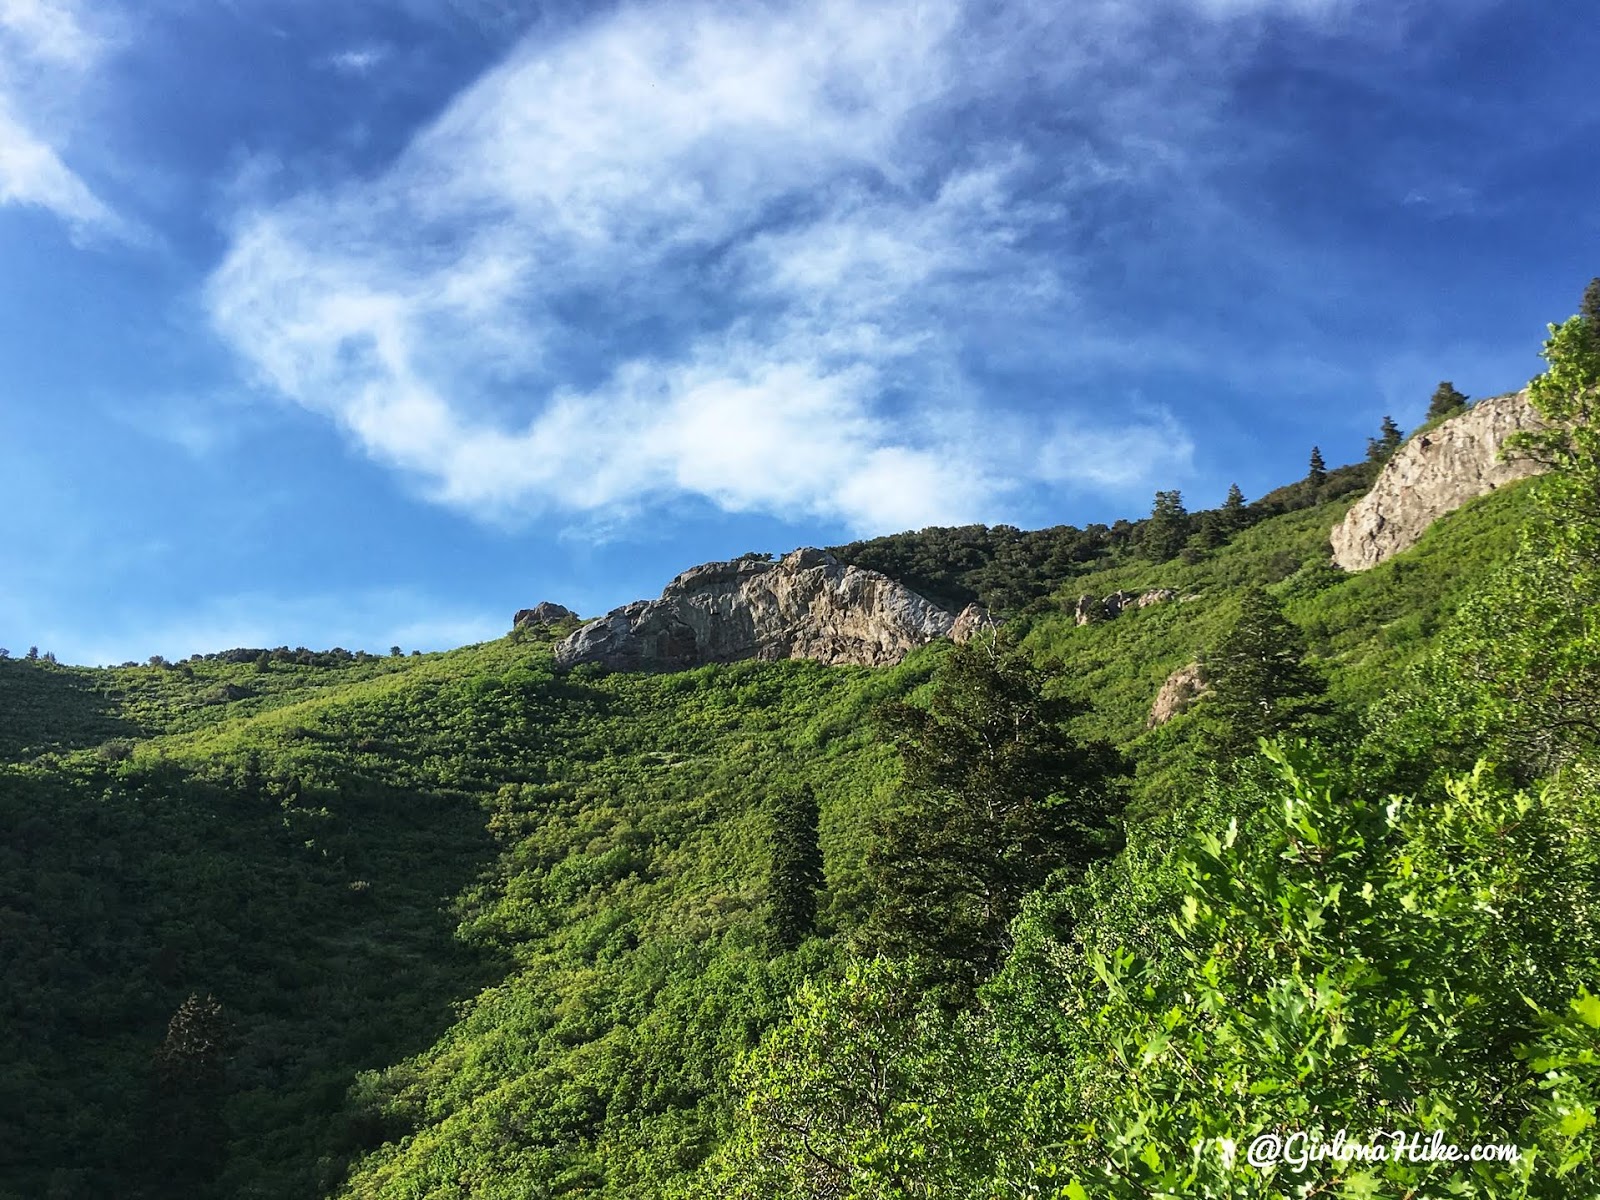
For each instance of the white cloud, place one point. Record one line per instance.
(733, 254)
(49, 30)
(360, 60)
(46, 51)
(32, 173)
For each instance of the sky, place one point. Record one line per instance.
(369, 324)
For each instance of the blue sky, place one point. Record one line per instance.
(371, 323)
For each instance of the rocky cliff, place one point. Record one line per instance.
(806, 605)
(1432, 474)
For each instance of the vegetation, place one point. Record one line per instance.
(1446, 402)
(459, 925)
(796, 867)
(1259, 683)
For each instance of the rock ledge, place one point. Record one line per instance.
(806, 605)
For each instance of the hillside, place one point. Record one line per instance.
(475, 926)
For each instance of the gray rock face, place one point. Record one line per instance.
(543, 613)
(806, 605)
(1181, 689)
(1088, 610)
(971, 621)
(1433, 474)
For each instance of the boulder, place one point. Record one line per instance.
(1433, 474)
(1088, 610)
(970, 621)
(805, 605)
(1113, 604)
(1181, 689)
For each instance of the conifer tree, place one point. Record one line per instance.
(1446, 401)
(1212, 533)
(1381, 448)
(186, 1119)
(191, 1058)
(1167, 527)
(796, 867)
(1392, 436)
(1589, 309)
(1234, 515)
(1258, 678)
(1318, 473)
(996, 794)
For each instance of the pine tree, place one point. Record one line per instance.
(1212, 533)
(1258, 678)
(1382, 448)
(1446, 401)
(1233, 512)
(1589, 310)
(191, 1058)
(1318, 474)
(1392, 436)
(186, 1119)
(1166, 529)
(796, 867)
(996, 794)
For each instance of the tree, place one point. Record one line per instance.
(1233, 511)
(394, 651)
(191, 1057)
(1212, 532)
(190, 1069)
(1447, 402)
(33, 653)
(864, 1091)
(1167, 527)
(1259, 681)
(1318, 473)
(996, 794)
(1381, 449)
(796, 867)
(1589, 309)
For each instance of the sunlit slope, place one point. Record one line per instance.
(468, 917)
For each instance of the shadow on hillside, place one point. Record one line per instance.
(47, 707)
(318, 915)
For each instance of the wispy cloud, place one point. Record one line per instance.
(46, 49)
(761, 256)
(359, 60)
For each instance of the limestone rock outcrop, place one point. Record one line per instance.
(542, 613)
(971, 621)
(1181, 689)
(1087, 609)
(1432, 474)
(806, 605)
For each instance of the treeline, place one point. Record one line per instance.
(1010, 570)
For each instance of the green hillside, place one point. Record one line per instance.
(472, 927)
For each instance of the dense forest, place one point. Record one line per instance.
(295, 924)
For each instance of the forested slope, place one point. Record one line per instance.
(459, 925)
